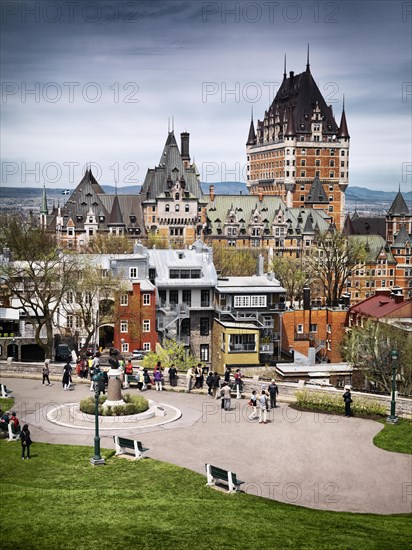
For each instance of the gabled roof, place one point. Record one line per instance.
(316, 194)
(170, 169)
(381, 304)
(301, 93)
(399, 206)
(348, 226)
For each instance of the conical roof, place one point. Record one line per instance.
(343, 128)
(251, 140)
(116, 217)
(290, 128)
(316, 194)
(402, 237)
(399, 206)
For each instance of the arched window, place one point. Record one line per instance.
(177, 197)
(167, 208)
(186, 208)
(177, 208)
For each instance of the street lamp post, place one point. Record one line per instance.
(14, 349)
(393, 419)
(97, 460)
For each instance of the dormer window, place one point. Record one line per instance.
(177, 197)
(79, 218)
(132, 219)
(101, 218)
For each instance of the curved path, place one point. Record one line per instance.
(309, 459)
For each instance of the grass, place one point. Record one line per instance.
(395, 437)
(6, 403)
(58, 500)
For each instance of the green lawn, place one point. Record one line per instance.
(395, 437)
(58, 500)
(6, 403)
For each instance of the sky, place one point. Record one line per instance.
(101, 82)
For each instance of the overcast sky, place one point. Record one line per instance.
(98, 81)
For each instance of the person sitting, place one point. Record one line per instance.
(4, 421)
(15, 424)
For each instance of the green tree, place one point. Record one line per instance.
(332, 261)
(369, 348)
(291, 276)
(171, 352)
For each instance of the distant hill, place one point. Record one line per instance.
(363, 194)
(221, 188)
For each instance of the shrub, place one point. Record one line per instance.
(134, 404)
(326, 402)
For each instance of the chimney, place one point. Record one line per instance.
(291, 75)
(260, 193)
(184, 149)
(259, 265)
(398, 298)
(212, 192)
(306, 298)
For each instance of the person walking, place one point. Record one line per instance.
(228, 372)
(146, 379)
(215, 385)
(238, 383)
(253, 403)
(199, 377)
(173, 375)
(189, 379)
(273, 392)
(348, 400)
(157, 376)
(263, 401)
(25, 441)
(66, 375)
(46, 372)
(128, 370)
(226, 397)
(209, 382)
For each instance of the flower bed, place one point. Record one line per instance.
(134, 404)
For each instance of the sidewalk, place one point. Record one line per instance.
(309, 459)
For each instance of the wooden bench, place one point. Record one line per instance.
(123, 445)
(5, 392)
(13, 436)
(214, 473)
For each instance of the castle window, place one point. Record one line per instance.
(177, 208)
(186, 208)
(342, 153)
(317, 162)
(317, 152)
(302, 173)
(177, 197)
(332, 152)
(332, 163)
(167, 208)
(303, 151)
(303, 162)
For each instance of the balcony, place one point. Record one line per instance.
(241, 348)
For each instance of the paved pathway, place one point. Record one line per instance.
(313, 460)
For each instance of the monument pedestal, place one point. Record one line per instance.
(114, 389)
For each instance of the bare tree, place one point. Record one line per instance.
(36, 278)
(369, 349)
(332, 261)
(291, 276)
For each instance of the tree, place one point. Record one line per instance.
(37, 278)
(235, 261)
(332, 261)
(369, 348)
(291, 276)
(108, 244)
(170, 353)
(90, 297)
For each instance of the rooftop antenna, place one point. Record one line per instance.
(284, 67)
(307, 61)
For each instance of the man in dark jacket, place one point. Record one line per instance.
(273, 392)
(348, 400)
